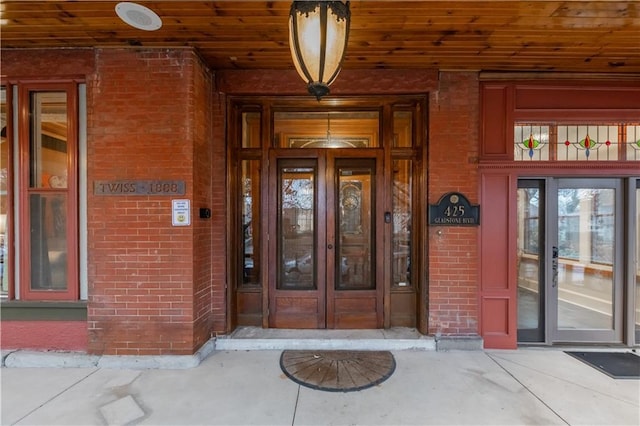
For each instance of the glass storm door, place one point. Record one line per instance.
(570, 267)
(323, 257)
(586, 261)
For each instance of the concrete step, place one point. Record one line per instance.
(394, 339)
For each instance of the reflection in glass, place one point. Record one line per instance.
(48, 241)
(586, 240)
(638, 263)
(528, 263)
(250, 181)
(48, 140)
(401, 265)
(326, 129)
(5, 262)
(296, 228)
(251, 130)
(402, 129)
(48, 198)
(356, 230)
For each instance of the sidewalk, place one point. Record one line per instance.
(526, 386)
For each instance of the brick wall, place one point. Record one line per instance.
(156, 114)
(149, 282)
(49, 335)
(206, 155)
(453, 250)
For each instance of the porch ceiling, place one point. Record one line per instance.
(554, 36)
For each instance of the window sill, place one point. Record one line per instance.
(17, 310)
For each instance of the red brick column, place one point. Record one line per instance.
(149, 282)
(453, 250)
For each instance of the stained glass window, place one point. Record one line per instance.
(576, 142)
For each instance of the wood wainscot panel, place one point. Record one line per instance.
(403, 309)
(296, 312)
(582, 96)
(498, 288)
(499, 325)
(250, 308)
(495, 317)
(495, 104)
(494, 249)
(357, 313)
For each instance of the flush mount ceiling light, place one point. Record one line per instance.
(138, 16)
(318, 34)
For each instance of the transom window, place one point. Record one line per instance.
(576, 142)
(332, 129)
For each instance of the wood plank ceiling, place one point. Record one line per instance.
(556, 36)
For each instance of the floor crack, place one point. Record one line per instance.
(527, 389)
(295, 407)
(55, 396)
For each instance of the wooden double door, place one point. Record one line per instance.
(325, 238)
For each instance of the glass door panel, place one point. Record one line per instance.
(296, 256)
(530, 261)
(296, 228)
(585, 270)
(355, 204)
(6, 263)
(637, 264)
(402, 224)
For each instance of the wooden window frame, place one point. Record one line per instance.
(71, 293)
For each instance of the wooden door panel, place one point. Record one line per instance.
(359, 311)
(324, 251)
(298, 311)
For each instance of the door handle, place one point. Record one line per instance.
(554, 266)
(330, 246)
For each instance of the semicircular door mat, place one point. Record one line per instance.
(337, 371)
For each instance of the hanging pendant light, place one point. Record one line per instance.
(318, 34)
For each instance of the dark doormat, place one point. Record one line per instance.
(619, 365)
(338, 371)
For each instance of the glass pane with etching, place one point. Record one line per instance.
(48, 241)
(48, 151)
(333, 129)
(355, 225)
(531, 142)
(296, 228)
(402, 199)
(587, 143)
(250, 183)
(632, 133)
(586, 242)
